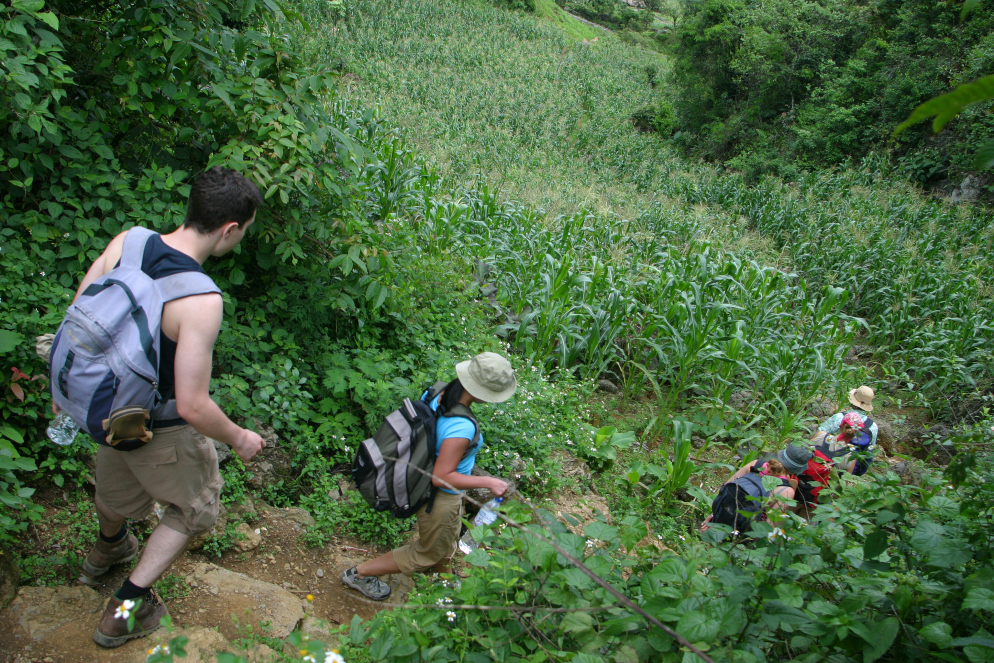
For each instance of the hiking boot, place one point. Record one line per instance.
(112, 631)
(104, 555)
(370, 586)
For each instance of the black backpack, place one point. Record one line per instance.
(733, 498)
(393, 468)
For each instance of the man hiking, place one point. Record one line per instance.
(172, 464)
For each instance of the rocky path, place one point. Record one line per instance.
(262, 588)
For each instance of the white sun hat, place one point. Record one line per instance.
(488, 377)
(862, 397)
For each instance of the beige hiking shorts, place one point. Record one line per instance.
(438, 534)
(178, 469)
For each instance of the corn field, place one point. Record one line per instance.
(623, 260)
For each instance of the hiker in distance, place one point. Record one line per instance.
(171, 462)
(861, 397)
(486, 378)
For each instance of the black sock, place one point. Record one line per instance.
(130, 590)
(117, 537)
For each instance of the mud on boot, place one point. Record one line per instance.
(112, 631)
(104, 555)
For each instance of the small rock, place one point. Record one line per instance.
(249, 538)
(285, 607)
(299, 516)
(48, 659)
(214, 591)
(43, 610)
(286, 567)
(741, 400)
(607, 386)
(320, 573)
(821, 409)
(885, 435)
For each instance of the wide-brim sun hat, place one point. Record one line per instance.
(862, 397)
(794, 458)
(488, 377)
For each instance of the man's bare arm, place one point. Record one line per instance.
(200, 322)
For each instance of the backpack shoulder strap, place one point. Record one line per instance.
(185, 284)
(133, 250)
(460, 410)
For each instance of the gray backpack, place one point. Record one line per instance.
(392, 469)
(105, 357)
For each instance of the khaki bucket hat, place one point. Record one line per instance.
(862, 397)
(488, 377)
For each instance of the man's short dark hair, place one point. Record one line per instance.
(221, 196)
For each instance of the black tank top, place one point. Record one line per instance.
(160, 261)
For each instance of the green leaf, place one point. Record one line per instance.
(927, 536)
(979, 599)
(968, 7)
(790, 595)
(601, 531)
(10, 432)
(883, 637)
(381, 645)
(875, 544)
(9, 340)
(577, 622)
(945, 507)
(478, 557)
(357, 631)
(947, 106)
(950, 553)
(237, 276)
(938, 633)
(697, 627)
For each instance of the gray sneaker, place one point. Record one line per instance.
(370, 586)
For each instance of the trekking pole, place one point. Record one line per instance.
(624, 600)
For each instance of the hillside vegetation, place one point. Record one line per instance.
(784, 86)
(445, 178)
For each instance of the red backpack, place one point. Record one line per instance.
(816, 476)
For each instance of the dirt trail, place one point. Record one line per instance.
(65, 617)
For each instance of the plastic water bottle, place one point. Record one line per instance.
(63, 429)
(486, 516)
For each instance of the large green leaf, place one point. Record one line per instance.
(876, 543)
(883, 637)
(979, 599)
(927, 536)
(938, 633)
(9, 341)
(698, 627)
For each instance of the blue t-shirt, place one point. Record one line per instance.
(456, 427)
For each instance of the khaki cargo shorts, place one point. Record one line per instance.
(438, 534)
(178, 469)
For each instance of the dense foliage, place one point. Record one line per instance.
(886, 572)
(781, 86)
(379, 261)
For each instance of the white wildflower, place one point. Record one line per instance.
(332, 656)
(772, 536)
(124, 610)
(451, 615)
